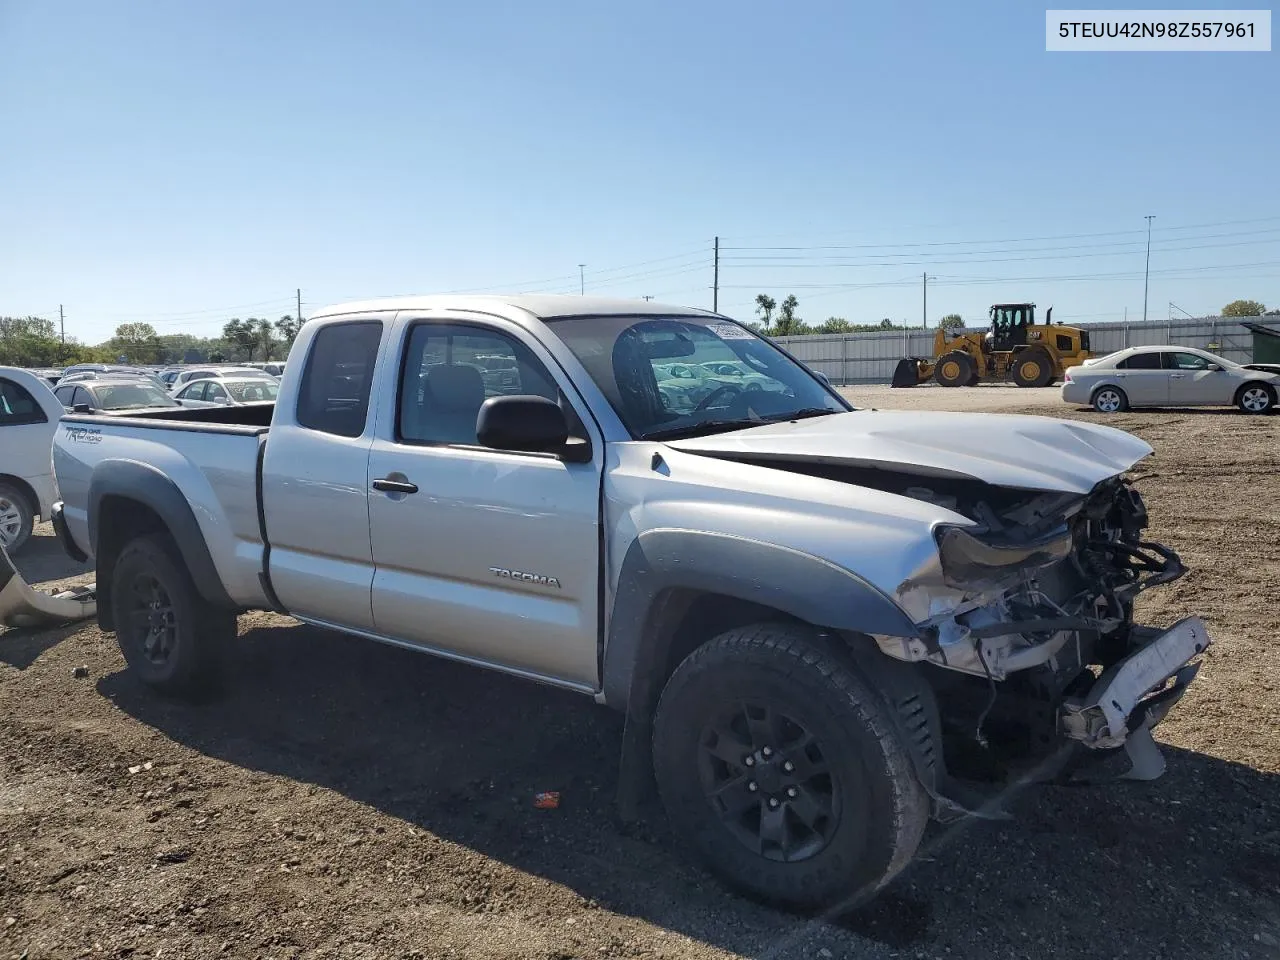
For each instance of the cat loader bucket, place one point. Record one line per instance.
(908, 373)
(22, 606)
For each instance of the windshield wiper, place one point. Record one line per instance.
(802, 414)
(693, 429)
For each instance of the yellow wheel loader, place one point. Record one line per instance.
(1014, 348)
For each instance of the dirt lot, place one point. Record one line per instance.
(349, 800)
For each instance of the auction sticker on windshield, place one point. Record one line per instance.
(730, 331)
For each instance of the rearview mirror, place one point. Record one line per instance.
(527, 424)
(669, 347)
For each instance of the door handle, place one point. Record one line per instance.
(1176, 376)
(387, 485)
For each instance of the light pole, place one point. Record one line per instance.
(582, 284)
(1146, 281)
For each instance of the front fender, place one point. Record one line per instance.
(804, 586)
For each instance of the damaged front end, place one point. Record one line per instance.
(1029, 614)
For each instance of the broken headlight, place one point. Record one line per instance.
(968, 560)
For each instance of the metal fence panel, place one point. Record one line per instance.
(870, 357)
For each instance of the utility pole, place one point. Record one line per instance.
(62, 326)
(582, 284)
(298, 317)
(924, 307)
(647, 297)
(1147, 277)
(715, 281)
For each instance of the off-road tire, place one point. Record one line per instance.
(954, 369)
(1251, 395)
(1032, 368)
(196, 633)
(882, 809)
(1100, 402)
(15, 501)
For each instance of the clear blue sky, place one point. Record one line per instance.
(182, 163)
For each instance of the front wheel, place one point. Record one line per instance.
(780, 766)
(1255, 398)
(172, 639)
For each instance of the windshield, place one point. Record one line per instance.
(129, 396)
(254, 392)
(683, 376)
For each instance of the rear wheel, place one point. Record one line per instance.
(172, 639)
(1255, 398)
(1033, 368)
(1110, 400)
(16, 518)
(779, 765)
(955, 369)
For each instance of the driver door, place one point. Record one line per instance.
(1192, 383)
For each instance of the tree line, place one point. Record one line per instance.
(788, 323)
(35, 342)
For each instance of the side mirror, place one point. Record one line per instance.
(1215, 367)
(524, 423)
(82, 408)
(823, 377)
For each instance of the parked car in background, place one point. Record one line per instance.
(227, 391)
(273, 367)
(113, 395)
(1169, 377)
(29, 415)
(204, 372)
(108, 372)
(737, 373)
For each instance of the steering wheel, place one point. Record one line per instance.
(729, 388)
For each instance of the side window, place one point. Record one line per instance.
(451, 369)
(214, 392)
(195, 392)
(334, 393)
(17, 406)
(1140, 361)
(1186, 361)
(64, 395)
(81, 396)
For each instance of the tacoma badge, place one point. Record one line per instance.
(540, 580)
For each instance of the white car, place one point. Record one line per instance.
(1169, 377)
(227, 391)
(29, 414)
(202, 373)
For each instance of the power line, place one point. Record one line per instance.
(1064, 236)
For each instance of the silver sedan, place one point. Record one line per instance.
(1169, 377)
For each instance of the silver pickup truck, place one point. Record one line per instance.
(824, 625)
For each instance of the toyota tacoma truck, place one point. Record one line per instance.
(824, 625)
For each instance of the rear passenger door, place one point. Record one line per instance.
(489, 555)
(1143, 379)
(315, 495)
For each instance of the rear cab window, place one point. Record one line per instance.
(333, 396)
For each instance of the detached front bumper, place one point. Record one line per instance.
(1135, 694)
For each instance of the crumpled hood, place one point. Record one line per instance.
(1031, 453)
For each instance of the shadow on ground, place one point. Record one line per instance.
(1189, 866)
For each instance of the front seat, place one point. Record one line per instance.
(454, 395)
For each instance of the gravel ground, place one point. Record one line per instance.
(349, 800)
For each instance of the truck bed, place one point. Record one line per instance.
(256, 415)
(211, 454)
